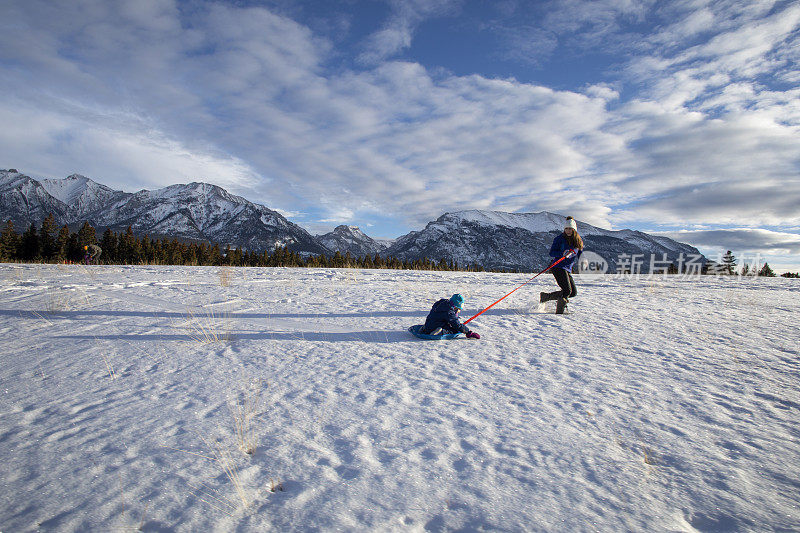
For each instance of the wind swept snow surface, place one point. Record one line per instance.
(130, 396)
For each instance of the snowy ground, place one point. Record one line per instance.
(657, 405)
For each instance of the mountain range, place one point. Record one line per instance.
(205, 212)
(194, 211)
(521, 241)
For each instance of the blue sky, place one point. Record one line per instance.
(675, 117)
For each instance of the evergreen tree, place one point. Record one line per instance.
(135, 252)
(86, 235)
(173, 253)
(157, 253)
(215, 257)
(237, 259)
(29, 245)
(108, 243)
(75, 251)
(47, 236)
(297, 261)
(203, 254)
(766, 271)
(9, 242)
(128, 248)
(62, 244)
(729, 263)
(146, 253)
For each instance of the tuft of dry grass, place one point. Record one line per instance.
(245, 407)
(649, 456)
(13, 275)
(109, 367)
(208, 326)
(90, 272)
(225, 276)
(275, 487)
(223, 459)
(58, 299)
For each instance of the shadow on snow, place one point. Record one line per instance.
(385, 336)
(199, 311)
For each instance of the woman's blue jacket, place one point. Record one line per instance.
(560, 245)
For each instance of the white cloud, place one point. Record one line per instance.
(290, 214)
(681, 167)
(526, 44)
(398, 32)
(743, 45)
(743, 240)
(593, 20)
(340, 216)
(603, 91)
(123, 158)
(386, 42)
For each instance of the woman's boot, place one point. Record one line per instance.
(547, 296)
(561, 306)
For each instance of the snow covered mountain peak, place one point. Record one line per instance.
(23, 200)
(71, 189)
(11, 178)
(345, 230)
(211, 197)
(351, 239)
(7, 176)
(203, 211)
(81, 195)
(542, 221)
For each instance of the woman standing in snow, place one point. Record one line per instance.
(568, 245)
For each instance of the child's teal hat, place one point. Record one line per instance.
(458, 300)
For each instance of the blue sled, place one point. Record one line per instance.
(414, 330)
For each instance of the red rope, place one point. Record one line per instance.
(515, 290)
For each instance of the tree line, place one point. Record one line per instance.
(54, 245)
(728, 266)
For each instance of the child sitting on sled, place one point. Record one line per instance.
(443, 318)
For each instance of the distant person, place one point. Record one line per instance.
(443, 318)
(568, 245)
(92, 254)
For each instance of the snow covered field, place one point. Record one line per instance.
(657, 405)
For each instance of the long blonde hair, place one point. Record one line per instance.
(574, 240)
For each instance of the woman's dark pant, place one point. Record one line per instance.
(565, 281)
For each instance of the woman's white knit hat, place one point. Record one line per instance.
(570, 223)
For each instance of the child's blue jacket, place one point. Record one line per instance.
(444, 314)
